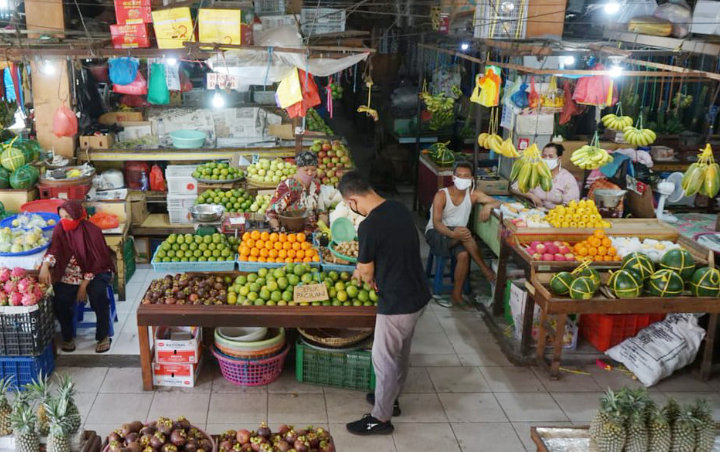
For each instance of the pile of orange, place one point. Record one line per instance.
(273, 247)
(597, 247)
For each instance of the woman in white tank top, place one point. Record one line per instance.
(447, 232)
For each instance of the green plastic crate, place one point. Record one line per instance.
(343, 369)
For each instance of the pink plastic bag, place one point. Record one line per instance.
(65, 122)
(157, 181)
(137, 88)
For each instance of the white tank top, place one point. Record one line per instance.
(453, 216)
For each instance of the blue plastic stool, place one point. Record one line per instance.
(82, 308)
(437, 273)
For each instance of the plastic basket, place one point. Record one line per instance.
(179, 267)
(180, 181)
(76, 192)
(315, 21)
(269, 7)
(178, 206)
(26, 330)
(7, 222)
(329, 266)
(246, 266)
(606, 330)
(344, 369)
(24, 369)
(251, 372)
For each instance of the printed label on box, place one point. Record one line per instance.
(221, 26)
(130, 36)
(178, 375)
(173, 27)
(178, 351)
(133, 12)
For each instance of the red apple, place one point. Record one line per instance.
(326, 180)
(326, 147)
(569, 256)
(535, 243)
(559, 257)
(537, 256)
(331, 153)
(320, 173)
(558, 243)
(322, 154)
(540, 248)
(548, 257)
(551, 248)
(563, 250)
(335, 160)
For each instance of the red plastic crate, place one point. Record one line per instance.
(64, 192)
(607, 330)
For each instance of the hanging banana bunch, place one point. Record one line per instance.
(493, 141)
(591, 156)
(530, 170)
(702, 176)
(441, 106)
(616, 121)
(637, 136)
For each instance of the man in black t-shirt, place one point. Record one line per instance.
(389, 260)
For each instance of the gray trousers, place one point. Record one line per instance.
(391, 359)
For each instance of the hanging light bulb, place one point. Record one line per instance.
(47, 68)
(172, 61)
(615, 71)
(464, 46)
(611, 7)
(567, 60)
(218, 101)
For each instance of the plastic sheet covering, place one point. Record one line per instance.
(264, 67)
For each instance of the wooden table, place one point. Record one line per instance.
(599, 304)
(226, 315)
(430, 179)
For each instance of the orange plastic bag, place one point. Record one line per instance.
(65, 122)
(157, 181)
(310, 93)
(533, 97)
(105, 220)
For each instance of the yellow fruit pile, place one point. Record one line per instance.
(577, 214)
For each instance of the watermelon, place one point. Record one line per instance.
(705, 282)
(583, 288)
(639, 263)
(12, 158)
(560, 283)
(589, 273)
(26, 150)
(680, 261)
(665, 283)
(4, 178)
(24, 177)
(625, 284)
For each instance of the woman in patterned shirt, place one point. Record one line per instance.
(299, 192)
(79, 266)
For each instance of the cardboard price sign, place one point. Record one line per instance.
(310, 293)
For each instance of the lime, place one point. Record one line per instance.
(160, 254)
(262, 272)
(306, 278)
(242, 279)
(255, 287)
(279, 273)
(340, 285)
(252, 277)
(272, 286)
(244, 291)
(363, 296)
(282, 283)
(252, 296)
(332, 292)
(352, 291)
(299, 270)
(261, 281)
(231, 298)
(357, 303)
(345, 276)
(276, 295)
(373, 296)
(287, 295)
(342, 295)
(334, 275)
(265, 294)
(293, 280)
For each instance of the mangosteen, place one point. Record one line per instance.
(206, 444)
(201, 292)
(170, 300)
(322, 434)
(146, 301)
(131, 437)
(145, 439)
(219, 286)
(302, 444)
(266, 447)
(326, 447)
(283, 429)
(225, 446)
(169, 448)
(193, 297)
(194, 433)
(242, 436)
(133, 447)
(246, 448)
(114, 446)
(213, 293)
(165, 425)
(282, 446)
(291, 436)
(157, 440)
(168, 278)
(191, 446)
(115, 436)
(312, 439)
(178, 437)
(301, 431)
(222, 298)
(147, 430)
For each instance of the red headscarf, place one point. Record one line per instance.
(85, 242)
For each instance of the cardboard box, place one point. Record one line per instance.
(138, 208)
(173, 27)
(175, 350)
(176, 375)
(12, 198)
(104, 141)
(283, 131)
(120, 117)
(497, 186)
(129, 36)
(221, 26)
(133, 12)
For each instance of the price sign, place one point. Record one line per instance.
(310, 293)
(255, 158)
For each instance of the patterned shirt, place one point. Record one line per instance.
(564, 189)
(291, 195)
(73, 274)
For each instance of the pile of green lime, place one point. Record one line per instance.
(234, 200)
(217, 171)
(195, 248)
(274, 287)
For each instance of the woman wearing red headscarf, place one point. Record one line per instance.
(78, 264)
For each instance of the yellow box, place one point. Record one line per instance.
(12, 199)
(173, 27)
(220, 26)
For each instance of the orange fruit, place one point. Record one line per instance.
(282, 254)
(282, 237)
(291, 237)
(273, 253)
(250, 243)
(594, 241)
(307, 260)
(311, 252)
(582, 251)
(300, 237)
(300, 254)
(608, 258)
(592, 251)
(255, 235)
(262, 259)
(252, 259)
(259, 244)
(244, 258)
(264, 236)
(263, 253)
(277, 246)
(617, 258)
(246, 236)
(316, 258)
(612, 251)
(274, 237)
(287, 246)
(606, 242)
(296, 246)
(288, 260)
(599, 233)
(269, 245)
(602, 250)
(244, 251)
(254, 252)
(306, 245)
(291, 253)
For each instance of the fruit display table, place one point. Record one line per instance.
(226, 315)
(599, 304)
(430, 179)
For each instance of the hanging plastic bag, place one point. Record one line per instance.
(65, 123)
(475, 96)
(157, 181)
(570, 108)
(123, 70)
(185, 82)
(533, 97)
(134, 101)
(679, 13)
(596, 89)
(520, 97)
(105, 220)
(136, 88)
(490, 88)
(310, 96)
(289, 91)
(172, 77)
(158, 92)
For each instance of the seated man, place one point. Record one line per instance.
(447, 232)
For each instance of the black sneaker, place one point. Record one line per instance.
(368, 425)
(370, 397)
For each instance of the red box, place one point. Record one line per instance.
(133, 12)
(607, 330)
(246, 30)
(129, 36)
(178, 375)
(169, 351)
(64, 192)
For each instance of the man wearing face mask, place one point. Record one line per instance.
(564, 186)
(447, 232)
(388, 259)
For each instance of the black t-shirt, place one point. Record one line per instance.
(388, 238)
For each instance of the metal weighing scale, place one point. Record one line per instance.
(207, 219)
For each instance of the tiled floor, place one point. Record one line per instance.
(461, 395)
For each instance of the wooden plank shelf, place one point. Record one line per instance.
(177, 155)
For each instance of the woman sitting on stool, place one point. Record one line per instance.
(78, 265)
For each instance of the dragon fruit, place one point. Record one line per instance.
(16, 299)
(38, 291)
(18, 273)
(28, 299)
(10, 286)
(3, 299)
(4, 274)
(26, 285)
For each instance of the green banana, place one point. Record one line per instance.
(516, 169)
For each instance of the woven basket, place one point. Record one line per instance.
(261, 185)
(335, 337)
(257, 354)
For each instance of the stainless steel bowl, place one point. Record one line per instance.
(207, 212)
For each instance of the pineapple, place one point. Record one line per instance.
(56, 409)
(659, 434)
(607, 430)
(67, 390)
(683, 431)
(704, 428)
(5, 409)
(635, 404)
(23, 423)
(40, 390)
(671, 411)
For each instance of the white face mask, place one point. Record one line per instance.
(461, 183)
(552, 163)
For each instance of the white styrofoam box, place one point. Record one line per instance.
(534, 124)
(180, 181)
(316, 21)
(500, 19)
(706, 18)
(178, 207)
